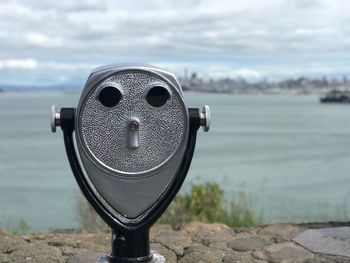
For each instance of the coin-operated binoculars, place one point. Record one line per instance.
(135, 138)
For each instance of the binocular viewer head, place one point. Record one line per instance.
(135, 138)
(131, 121)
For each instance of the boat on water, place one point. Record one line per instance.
(336, 96)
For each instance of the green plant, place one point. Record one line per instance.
(205, 204)
(22, 228)
(240, 215)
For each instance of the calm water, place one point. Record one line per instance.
(290, 155)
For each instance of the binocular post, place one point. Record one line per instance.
(130, 243)
(130, 248)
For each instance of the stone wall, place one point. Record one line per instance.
(193, 243)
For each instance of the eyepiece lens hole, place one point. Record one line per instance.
(157, 96)
(109, 96)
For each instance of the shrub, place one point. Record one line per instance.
(22, 228)
(205, 204)
(240, 215)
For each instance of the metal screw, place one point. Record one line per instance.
(133, 125)
(205, 118)
(55, 119)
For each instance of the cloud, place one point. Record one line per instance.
(226, 71)
(18, 64)
(41, 40)
(196, 26)
(68, 67)
(247, 36)
(66, 5)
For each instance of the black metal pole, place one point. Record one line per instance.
(131, 246)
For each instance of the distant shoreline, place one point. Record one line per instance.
(190, 92)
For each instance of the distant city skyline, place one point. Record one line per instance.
(58, 43)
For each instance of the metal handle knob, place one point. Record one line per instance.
(55, 119)
(205, 118)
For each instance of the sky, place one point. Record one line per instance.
(44, 43)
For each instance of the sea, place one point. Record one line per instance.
(286, 157)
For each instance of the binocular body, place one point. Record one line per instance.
(131, 148)
(135, 138)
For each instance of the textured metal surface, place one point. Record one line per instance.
(104, 130)
(332, 241)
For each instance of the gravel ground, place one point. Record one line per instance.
(193, 243)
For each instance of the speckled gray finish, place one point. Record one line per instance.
(104, 130)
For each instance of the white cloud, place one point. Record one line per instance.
(59, 66)
(67, 5)
(248, 36)
(196, 26)
(42, 40)
(246, 73)
(13, 64)
(226, 71)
